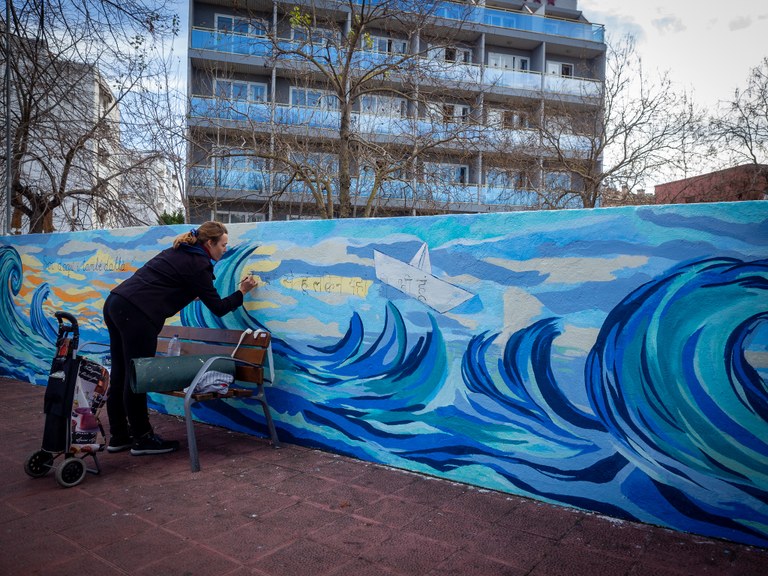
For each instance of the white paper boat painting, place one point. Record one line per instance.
(416, 280)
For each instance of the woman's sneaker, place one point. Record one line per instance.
(151, 443)
(119, 443)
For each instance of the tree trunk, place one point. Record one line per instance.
(345, 177)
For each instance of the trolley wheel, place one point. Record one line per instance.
(38, 464)
(71, 472)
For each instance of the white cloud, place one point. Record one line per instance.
(740, 23)
(573, 270)
(521, 309)
(668, 24)
(308, 325)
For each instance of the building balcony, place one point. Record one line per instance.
(473, 75)
(511, 20)
(263, 117)
(239, 183)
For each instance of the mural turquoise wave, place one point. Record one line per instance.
(613, 360)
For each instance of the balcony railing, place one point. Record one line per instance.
(258, 117)
(475, 74)
(495, 17)
(510, 20)
(439, 193)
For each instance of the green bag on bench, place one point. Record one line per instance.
(169, 373)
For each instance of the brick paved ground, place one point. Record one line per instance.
(257, 511)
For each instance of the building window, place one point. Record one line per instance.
(317, 160)
(509, 119)
(560, 69)
(508, 61)
(381, 105)
(446, 173)
(557, 181)
(236, 217)
(556, 124)
(455, 54)
(318, 36)
(451, 54)
(506, 179)
(387, 45)
(251, 26)
(448, 113)
(313, 98)
(239, 159)
(240, 90)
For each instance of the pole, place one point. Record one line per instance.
(8, 149)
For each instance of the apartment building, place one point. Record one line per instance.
(390, 107)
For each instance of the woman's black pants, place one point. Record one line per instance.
(131, 335)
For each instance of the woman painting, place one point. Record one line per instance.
(135, 312)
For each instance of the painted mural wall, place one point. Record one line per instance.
(614, 360)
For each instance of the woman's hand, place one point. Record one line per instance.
(247, 284)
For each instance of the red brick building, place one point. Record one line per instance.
(747, 182)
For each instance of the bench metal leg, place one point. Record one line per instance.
(194, 459)
(268, 416)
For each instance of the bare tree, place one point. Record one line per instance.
(72, 64)
(645, 129)
(742, 126)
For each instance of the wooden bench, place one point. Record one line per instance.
(249, 360)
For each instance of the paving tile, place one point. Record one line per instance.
(449, 527)
(465, 563)
(409, 553)
(393, 511)
(44, 494)
(34, 548)
(353, 535)
(567, 560)
(484, 504)
(301, 517)
(265, 475)
(79, 564)
(615, 537)
(431, 491)
(384, 479)
(108, 526)
(305, 485)
(190, 561)
(250, 542)
(77, 515)
(255, 502)
(362, 567)
(515, 548)
(692, 554)
(340, 468)
(134, 553)
(344, 497)
(9, 512)
(541, 519)
(203, 523)
(300, 460)
(302, 558)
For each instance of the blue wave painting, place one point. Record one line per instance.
(613, 360)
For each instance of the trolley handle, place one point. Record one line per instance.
(61, 317)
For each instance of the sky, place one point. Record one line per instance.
(707, 46)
